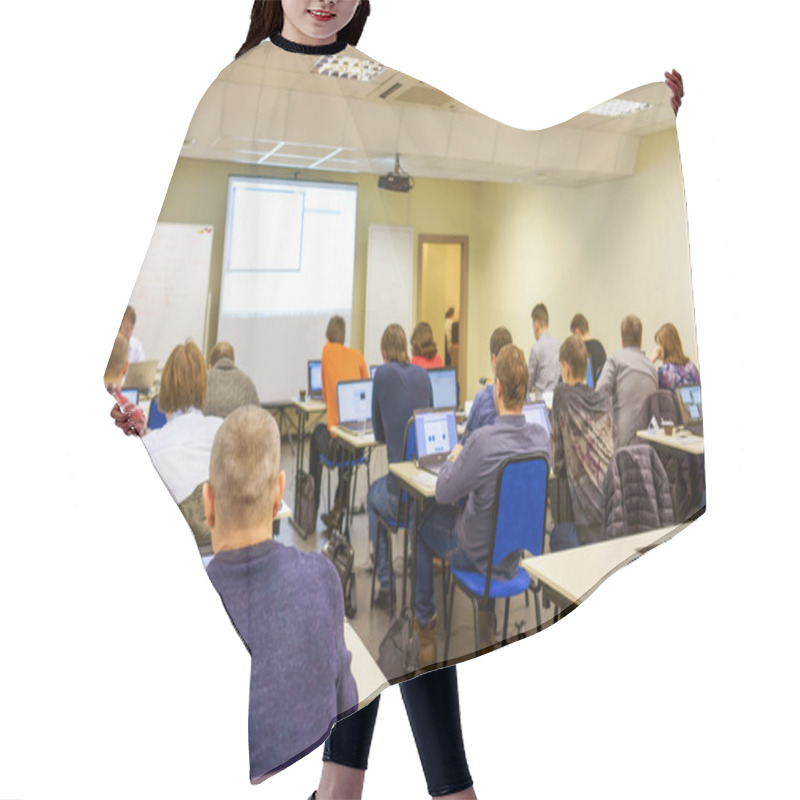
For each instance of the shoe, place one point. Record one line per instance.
(487, 622)
(385, 599)
(332, 518)
(437, 566)
(427, 642)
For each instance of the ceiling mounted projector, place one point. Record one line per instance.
(398, 180)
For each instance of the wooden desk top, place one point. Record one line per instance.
(357, 440)
(418, 480)
(576, 573)
(683, 440)
(309, 406)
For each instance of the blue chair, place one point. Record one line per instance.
(519, 514)
(156, 418)
(400, 520)
(589, 372)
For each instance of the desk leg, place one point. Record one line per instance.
(298, 468)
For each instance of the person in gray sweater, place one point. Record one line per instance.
(543, 372)
(228, 387)
(286, 605)
(628, 377)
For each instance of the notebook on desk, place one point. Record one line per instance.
(536, 414)
(355, 405)
(690, 400)
(315, 380)
(443, 386)
(435, 430)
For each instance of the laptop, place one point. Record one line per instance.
(690, 401)
(536, 414)
(141, 375)
(315, 380)
(355, 405)
(435, 429)
(131, 395)
(443, 385)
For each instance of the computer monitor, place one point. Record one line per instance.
(131, 395)
(443, 385)
(435, 431)
(355, 401)
(691, 402)
(315, 379)
(536, 414)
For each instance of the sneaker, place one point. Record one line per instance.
(332, 518)
(385, 599)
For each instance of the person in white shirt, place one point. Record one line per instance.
(135, 349)
(181, 450)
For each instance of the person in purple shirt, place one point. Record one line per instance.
(676, 368)
(470, 474)
(286, 605)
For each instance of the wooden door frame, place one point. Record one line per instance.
(432, 238)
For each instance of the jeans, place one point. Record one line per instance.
(380, 501)
(436, 537)
(431, 702)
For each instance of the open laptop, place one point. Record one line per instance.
(315, 380)
(536, 414)
(435, 429)
(690, 400)
(131, 395)
(141, 375)
(443, 385)
(355, 405)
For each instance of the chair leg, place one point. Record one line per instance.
(374, 567)
(445, 585)
(475, 621)
(505, 620)
(449, 621)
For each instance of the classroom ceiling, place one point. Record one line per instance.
(276, 108)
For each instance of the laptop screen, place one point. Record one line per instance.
(536, 414)
(315, 377)
(355, 400)
(692, 401)
(131, 395)
(443, 385)
(435, 432)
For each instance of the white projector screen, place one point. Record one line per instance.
(287, 268)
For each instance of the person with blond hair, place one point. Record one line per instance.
(180, 450)
(676, 368)
(424, 352)
(287, 605)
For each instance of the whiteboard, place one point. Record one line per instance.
(390, 284)
(171, 294)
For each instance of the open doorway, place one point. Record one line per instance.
(442, 265)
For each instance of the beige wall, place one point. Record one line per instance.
(607, 250)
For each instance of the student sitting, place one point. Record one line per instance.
(543, 360)
(228, 387)
(287, 605)
(424, 352)
(483, 411)
(471, 474)
(676, 368)
(582, 437)
(339, 363)
(398, 389)
(628, 378)
(135, 349)
(181, 449)
(597, 353)
(134, 421)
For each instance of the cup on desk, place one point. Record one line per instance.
(302, 395)
(669, 426)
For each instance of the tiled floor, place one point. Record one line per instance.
(372, 624)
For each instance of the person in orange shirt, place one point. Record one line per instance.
(339, 363)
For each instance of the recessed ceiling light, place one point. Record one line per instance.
(618, 108)
(347, 67)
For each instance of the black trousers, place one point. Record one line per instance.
(431, 702)
(322, 443)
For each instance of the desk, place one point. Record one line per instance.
(305, 408)
(351, 443)
(570, 576)
(368, 676)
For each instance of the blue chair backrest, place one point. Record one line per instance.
(520, 505)
(410, 453)
(589, 372)
(156, 418)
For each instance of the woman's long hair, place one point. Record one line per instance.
(671, 348)
(266, 19)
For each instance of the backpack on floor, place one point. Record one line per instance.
(339, 550)
(306, 514)
(399, 651)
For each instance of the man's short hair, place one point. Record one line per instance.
(245, 463)
(117, 360)
(540, 315)
(335, 330)
(512, 372)
(573, 352)
(219, 351)
(183, 379)
(631, 330)
(500, 338)
(579, 323)
(394, 344)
